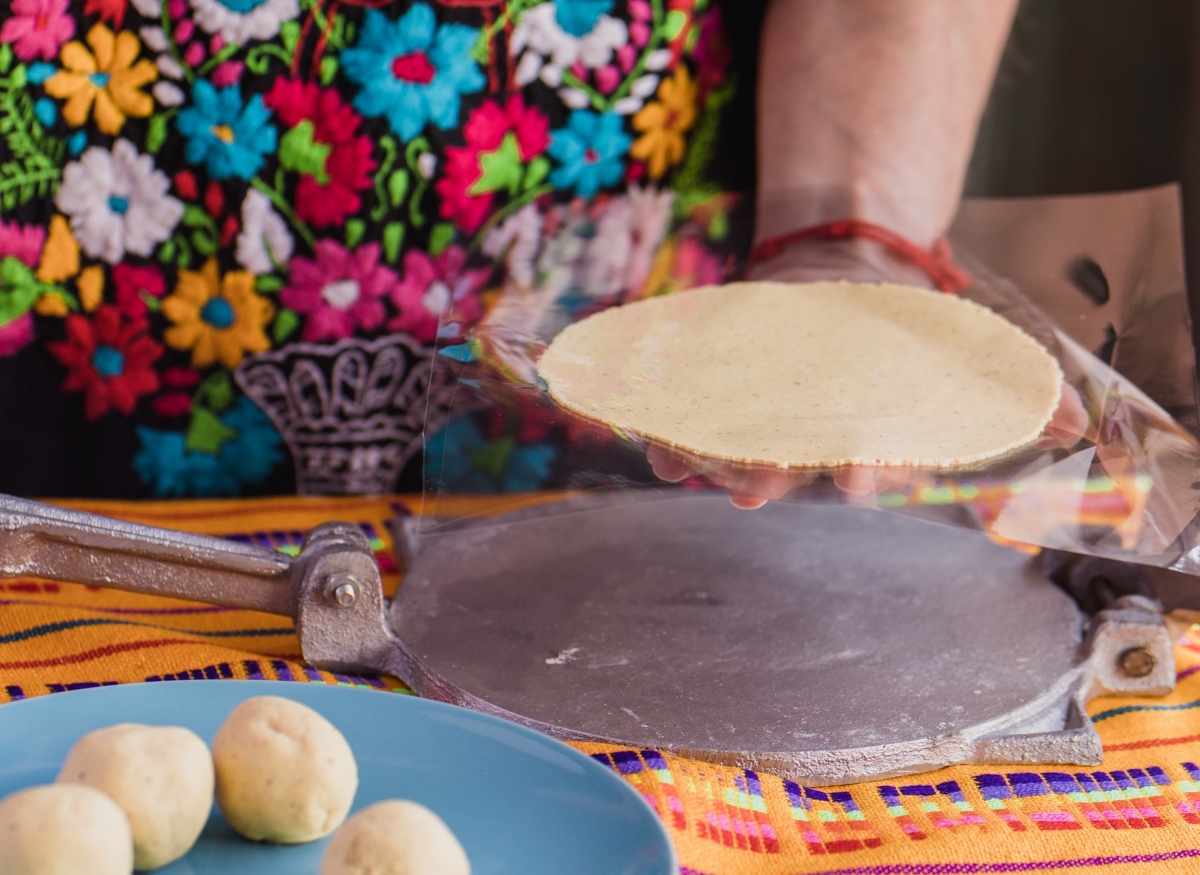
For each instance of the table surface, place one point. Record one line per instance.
(1137, 812)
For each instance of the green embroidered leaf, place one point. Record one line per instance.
(493, 457)
(204, 243)
(718, 228)
(393, 237)
(6, 57)
(268, 284)
(216, 392)
(167, 252)
(501, 168)
(538, 168)
(397, 186)
(300, 153)
(197, 217)
(18, 76)
(156, 134)
(689, 44)
(440, 237)
(286, 324)
(63, 295)
(206, 433)
(152, 303)
(18, 289)
(481, 52)
(329, 68)
(673, 26)
(289, 33)
(354, 232)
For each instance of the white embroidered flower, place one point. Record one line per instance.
(151, 9)
(628, 235)
(651, 217)
(427, 164)
(169, 67)
(240, 21)
(542, 49)
(167, 94)
(517, 239)
(573, 98)
(153, 38)
(264, 239)
(117, 202)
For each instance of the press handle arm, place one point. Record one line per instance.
(40, 540)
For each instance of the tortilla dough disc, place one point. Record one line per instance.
(810, 375)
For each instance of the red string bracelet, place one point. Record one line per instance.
(937, 261)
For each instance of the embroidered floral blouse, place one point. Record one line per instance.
(236, 234)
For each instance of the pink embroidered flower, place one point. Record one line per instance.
(498, 144)
(38, 27)
(132, 283)
(696, 266)
(22, 242)
(437, 291)
(712, 54)
(340, 291)
(323, 146)
(16, 334)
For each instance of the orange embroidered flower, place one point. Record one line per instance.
(664, 124)
(60, 256)
(105, 77)
(219, 319)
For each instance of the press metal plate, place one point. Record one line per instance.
(827, 642)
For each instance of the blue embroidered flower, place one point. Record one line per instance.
(578, 17)
(590, 149)
(171, 470)
(411, 71)
(228, 138)
(460, 459)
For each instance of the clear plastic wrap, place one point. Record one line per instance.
(1128, 489)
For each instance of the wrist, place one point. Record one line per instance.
(779, 211)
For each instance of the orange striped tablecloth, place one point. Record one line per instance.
(1138, 812)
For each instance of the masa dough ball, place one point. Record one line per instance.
(284, 772)
(396, 837)
(161, 776)
(64, 829)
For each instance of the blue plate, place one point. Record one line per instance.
(518, 800)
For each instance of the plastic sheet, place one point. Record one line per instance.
(1128, 489)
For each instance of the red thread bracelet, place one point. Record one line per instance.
(938, 261)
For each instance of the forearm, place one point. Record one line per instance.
(868, 109)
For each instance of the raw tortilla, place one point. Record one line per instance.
(810, 375)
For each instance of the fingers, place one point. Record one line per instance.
(668, 465)
(863, 480)
(751, 489)
(1070, 420)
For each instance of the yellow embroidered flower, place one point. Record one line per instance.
(51, 305)
(106, 76)
(90, 284)
(219, 319)
(664, 124)
(60, 255)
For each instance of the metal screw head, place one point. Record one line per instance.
(342, 590)
(1137, 662)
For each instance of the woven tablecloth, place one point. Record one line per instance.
(1138, 812)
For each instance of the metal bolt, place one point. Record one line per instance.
(1137, 662)
(343, 590)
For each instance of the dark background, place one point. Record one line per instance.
(1094, 96)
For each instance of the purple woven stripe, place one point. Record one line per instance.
(1187, 672)
(987, 868)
